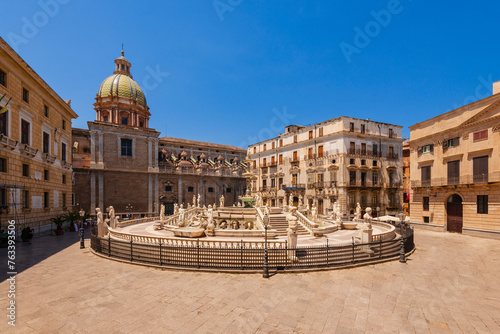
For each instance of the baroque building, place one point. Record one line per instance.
(35, 144)
(455, 169)
(121, 161)
(344, 159)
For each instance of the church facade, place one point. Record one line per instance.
(121, 161)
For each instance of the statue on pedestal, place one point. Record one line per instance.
(290, 202)
(181, 216)
(194, 200)
(221, 201)
(176, 208)
(301, 200)
(102, 227)
(292, 233)
(162, 213)
(357, 215)
(199, 200)
(210, 219)
(314, 213)
(112, 218)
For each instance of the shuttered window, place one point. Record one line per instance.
(481, 135)
(454, 172)
(426, 176)
(482, 204)
(480, 166)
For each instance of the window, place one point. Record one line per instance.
(375, 150)
(106, 119)
(351, 127)
(352, 161)
(280, 182)
(25, 132)
(363, 162)
(255, 150)
(363, 128)
(46, 143)
(295, 178)
(454, 172)
(26, 95)
(295, 138)
(310, 178)
(64, 124)
(254, 164)
(281, 142)
(210, 189)
(352, 176)
(46, 199)
(320, 151)
(425, 203)
(190, 189)
(46, 111)
(363, 149)
(375, 179)
(320, 132)
(46, 174)
(3, 123)
(3, 196)
(427, 219)
(63, 151)
(264, 183)
(427, 148)
(481, 135)
(64, 200)
(295, 156)
(141, 124)
(273, 183)
(3, 165)
(391, 133)
(124, 120)
(480, 169)
(482, 204)
(64, 179)
(374, 199)
(426, 176)
(265, 145)
(26, 170)
(374, 163)
(3, 78)
(273, 161)
(273, 144)
(26, 199)
(280, 159)
(352, 147)
(264, 162)
(168, 189)
(451, 142)
(126, 147)
(310, 134)
(310, 154)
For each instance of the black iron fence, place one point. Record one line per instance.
(243, 258)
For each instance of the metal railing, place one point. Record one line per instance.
(247, 256)
(457, 180)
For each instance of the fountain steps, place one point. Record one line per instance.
(280, 224)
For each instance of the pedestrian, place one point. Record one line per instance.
(30, 235)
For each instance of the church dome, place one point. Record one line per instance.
(122, 85)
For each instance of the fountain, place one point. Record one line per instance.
(247, 200)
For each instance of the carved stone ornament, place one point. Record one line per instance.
(465, 136)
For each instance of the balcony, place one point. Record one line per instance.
(66, 164)
(7, 142)
(294, 185)
(363, 152)
(394, 185)
(392, 156)
(49, 158)
(29, 150)
(462, 180)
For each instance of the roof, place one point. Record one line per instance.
(179, 141)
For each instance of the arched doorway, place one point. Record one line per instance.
(454, 212)
(295, 201)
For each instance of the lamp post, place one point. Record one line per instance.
(402, 218)
(82, 230)
(265, 272)
(128, 208)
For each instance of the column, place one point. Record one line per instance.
(100, 148)
(150, 148)
(150, 193)
(156, 153)
(92, 147)
(201, 192)
(179, 199)
(156, 195)
(101, 190)
(92, 192)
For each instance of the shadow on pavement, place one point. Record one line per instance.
(40, 249)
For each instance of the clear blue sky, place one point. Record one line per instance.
(230, 63)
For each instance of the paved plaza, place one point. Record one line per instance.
(451, 284)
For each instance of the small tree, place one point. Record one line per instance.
(72, 217)
(59, 220)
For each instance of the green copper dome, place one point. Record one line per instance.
(122, 85)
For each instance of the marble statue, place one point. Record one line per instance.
(290, 201)
(314, 213)
(336, 208)
(112, 218)
(176, 208)
(285, 201)
(301, 200)
(182, 214)
(199, 200)
(239, 204)
(221, 201)
(357, 215)
(292, 233)
(162, 213)
(367, 216)
(102, 230)
(194, 200)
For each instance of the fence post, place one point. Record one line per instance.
(198, 248)
(380, 248)
(286, 254)
(241, 254)
(352, 249)
(161, 263)
(131, 254)
(109, 245)
(327, 252)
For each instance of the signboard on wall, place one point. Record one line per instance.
(36, 202)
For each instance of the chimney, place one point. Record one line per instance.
(496, 87)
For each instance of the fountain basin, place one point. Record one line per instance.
(349, 225)
(189, 232)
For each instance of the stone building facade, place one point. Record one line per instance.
(121, 161)
(35, 144)
(406, 177)
(344, 159)
(455, 169)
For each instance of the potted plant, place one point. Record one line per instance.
(59, 223)
(72, 217)
(27, 234)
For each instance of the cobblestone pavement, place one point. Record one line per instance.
(451, 284)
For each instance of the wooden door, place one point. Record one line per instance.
(454, 213)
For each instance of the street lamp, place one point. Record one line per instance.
(82, 230)
(128, 208)
(402, 218)
(265, 273)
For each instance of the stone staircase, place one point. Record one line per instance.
(280, 224)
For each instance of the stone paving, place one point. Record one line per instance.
(451, 284)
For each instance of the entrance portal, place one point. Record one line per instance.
(454, 212)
